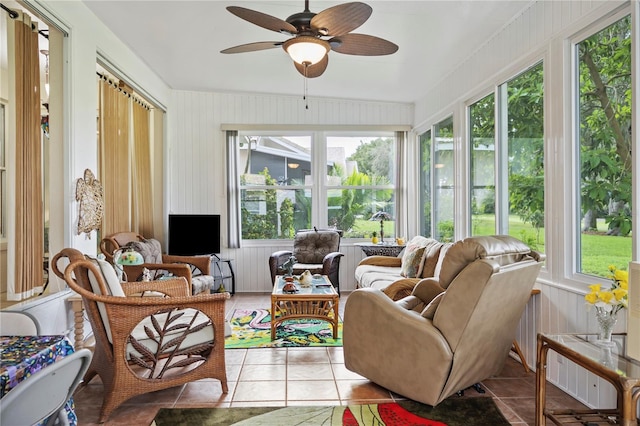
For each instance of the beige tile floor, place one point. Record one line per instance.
(301, 376)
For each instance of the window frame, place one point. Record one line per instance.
(574, 219)
(3, 173)
(449, 119)
(495, 163)
(319, 187)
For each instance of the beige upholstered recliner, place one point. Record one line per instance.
(453, 331)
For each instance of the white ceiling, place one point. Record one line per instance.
(182, 40)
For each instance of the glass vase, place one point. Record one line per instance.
(606, 322)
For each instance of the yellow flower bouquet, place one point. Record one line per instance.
(615, 297)
(608, 302)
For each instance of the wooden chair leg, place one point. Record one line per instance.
(516, 348)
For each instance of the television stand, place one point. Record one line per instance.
(222, 271)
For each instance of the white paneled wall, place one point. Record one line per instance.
(526, 35)
(196, 178)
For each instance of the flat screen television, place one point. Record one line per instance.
(194, 234)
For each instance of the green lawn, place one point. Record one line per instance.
(598, 250)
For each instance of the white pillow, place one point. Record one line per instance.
(112, 283)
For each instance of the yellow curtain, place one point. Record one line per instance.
(29, 240)
(142, 184)
(114, 159)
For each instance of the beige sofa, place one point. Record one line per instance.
(421, 257)
(453, 331)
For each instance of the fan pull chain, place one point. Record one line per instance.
(306, 86)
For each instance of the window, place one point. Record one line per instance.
(276, 185)
(443, 177)
(360, 182)
(521, 98)
(509, 199)
(425, 183)
(483, 187)
(603, 79)
(298, 181)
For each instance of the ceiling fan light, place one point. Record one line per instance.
(306, 49)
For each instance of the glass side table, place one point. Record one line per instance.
(608, 362)
(222, 271)
(371, 249)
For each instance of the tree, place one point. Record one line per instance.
(354, 202)
(605, 127)
(261, 226)
(286, 219)
(375, 158)
(525, 130)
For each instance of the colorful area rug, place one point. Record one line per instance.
(251, 328)
(451, 412)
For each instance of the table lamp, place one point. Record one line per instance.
(381, 216)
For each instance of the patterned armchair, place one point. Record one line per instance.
(314, 249)
(195, 269)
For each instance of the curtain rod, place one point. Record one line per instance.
(127, 90)
(13, 15)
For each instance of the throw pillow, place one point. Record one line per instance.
(113, 288)
(412, 261)
(150, 249)
(109, 276)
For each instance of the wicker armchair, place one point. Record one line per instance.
(195, 269)
(145, 344)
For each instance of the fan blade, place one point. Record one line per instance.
(253, 47)
(263, 20)
(314, 70)
(362, 44)
(341, 19)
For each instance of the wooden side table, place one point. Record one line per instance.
(370, 249)
(608, 362)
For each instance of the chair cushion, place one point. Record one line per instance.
(299, 268)
(431, 257)
(113, 287)
(150, 249)
(141, 331)
(412, 261)
(312, 246)
(201, 284)
(375, 276)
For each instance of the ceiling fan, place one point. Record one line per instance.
(314, 35)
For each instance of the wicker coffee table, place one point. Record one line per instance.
(317, 301)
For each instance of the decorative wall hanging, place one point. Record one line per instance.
(89, 195)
